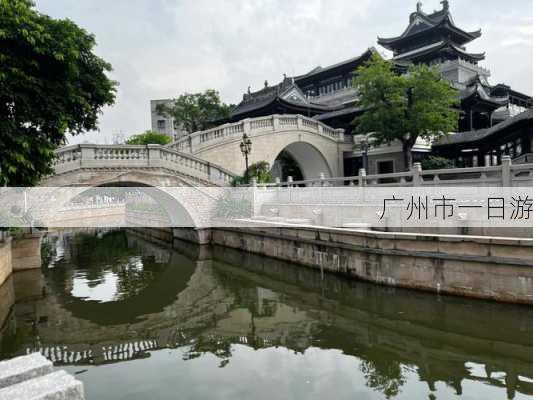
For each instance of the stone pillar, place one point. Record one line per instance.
(416, 172)
(246, 126)
(88, 154)
(340, 132)
(26, 252)
(154, 155)
(275, 122)
(278, 184)
(362, 177)
(255, 203)
(506, 171)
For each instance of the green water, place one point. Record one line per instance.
(134, 320)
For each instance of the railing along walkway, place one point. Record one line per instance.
(95, 156)
(198, 141)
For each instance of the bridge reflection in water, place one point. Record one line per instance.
(103, 298)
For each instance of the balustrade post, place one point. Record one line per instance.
(246, 126)
(299, 122)
(275, 122)
(340, 132)
(289, 187)
(506, 171)
(154, 155)
(278, 184)
(320, 129)
(208, 170)
(416, 171)
(362, 177)
(88, 154)
(255, 203)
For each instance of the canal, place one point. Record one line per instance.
(137, 320)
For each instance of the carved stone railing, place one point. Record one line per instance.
(96, 156)
(505, 175)
(254, 127)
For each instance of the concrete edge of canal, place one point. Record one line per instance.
(492, 268)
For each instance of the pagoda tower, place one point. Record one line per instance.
(435, 39)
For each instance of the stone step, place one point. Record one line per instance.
(57, 385)
(23, 368)
(32, 377)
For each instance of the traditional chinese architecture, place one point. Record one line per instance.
(492, 121)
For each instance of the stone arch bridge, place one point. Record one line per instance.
(206, 158)
(317, 148)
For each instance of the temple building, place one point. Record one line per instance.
(495, 119)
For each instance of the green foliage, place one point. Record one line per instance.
(434, 162)
(260, 171)
(228, 207)
(149, 137)
(419, 104)
(51, 84)
(197, 111)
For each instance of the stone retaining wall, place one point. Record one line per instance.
(6, 266)
(26, 252)
(490, 268)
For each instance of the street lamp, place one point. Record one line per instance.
(246, 149)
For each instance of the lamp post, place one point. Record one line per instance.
(246, 149)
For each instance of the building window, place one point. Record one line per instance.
(161, 124)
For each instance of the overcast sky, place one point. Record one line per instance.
(162, 48)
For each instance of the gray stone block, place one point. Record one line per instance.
(23, 368)
(55, 386)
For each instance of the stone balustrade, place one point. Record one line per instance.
(505, 175)
(96, 156)
(255, 127)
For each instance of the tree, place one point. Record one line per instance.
(434, 162)
(419, 104)
(149, 137)
(260, 171)
(51, 84)
(196, 112)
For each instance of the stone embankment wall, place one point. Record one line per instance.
(481, 267)
(26, 252)
(6, 266)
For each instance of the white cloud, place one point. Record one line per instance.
(161, 48)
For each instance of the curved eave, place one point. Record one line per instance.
(396, 42)
(516, 122)
(474, 56)
(388, 43)
(411, 56)
(352, 63)
(447, 23)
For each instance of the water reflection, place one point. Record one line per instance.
(113, 297)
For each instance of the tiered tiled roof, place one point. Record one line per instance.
(431, 33)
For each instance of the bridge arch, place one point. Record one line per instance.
(169, 196)
(309, 160)
(321, 149)
(315, 153)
